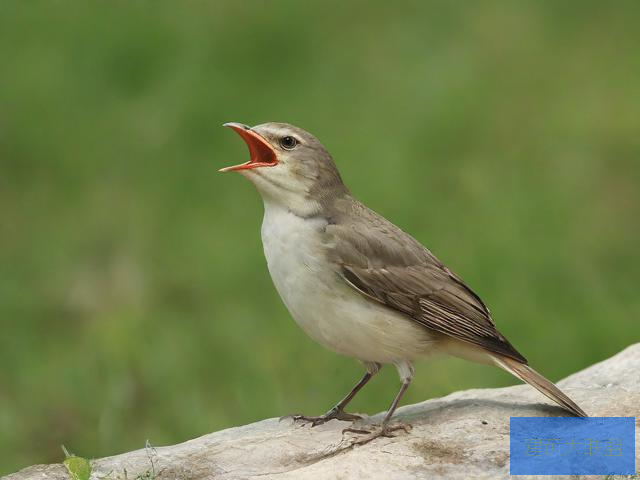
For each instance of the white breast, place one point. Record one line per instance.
(326, 308)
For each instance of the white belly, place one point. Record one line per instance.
(327, 308)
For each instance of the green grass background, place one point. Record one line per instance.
(135, 302)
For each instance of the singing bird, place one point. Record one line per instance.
(356, 283)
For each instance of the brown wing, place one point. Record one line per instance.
(391, 267)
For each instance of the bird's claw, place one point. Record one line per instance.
(372, 432)
(330, 415)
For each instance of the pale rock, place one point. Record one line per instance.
(464, 435)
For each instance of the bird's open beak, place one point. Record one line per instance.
(261, 153)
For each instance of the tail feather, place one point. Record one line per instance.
(529, 375)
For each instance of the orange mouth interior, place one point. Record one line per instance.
(261, 153)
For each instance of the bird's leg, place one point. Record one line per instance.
(385, 429)
(337, 411)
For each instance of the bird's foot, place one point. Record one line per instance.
(334, 413)
(371, 432)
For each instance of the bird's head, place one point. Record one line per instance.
(288, 165)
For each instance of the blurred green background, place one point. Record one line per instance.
(135, 302)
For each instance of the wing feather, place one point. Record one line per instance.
(389, 266)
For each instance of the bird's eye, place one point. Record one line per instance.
(288, 142)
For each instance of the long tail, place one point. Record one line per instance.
(529, 375)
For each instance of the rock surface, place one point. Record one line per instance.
(464, 435)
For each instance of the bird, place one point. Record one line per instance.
(359, 285)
